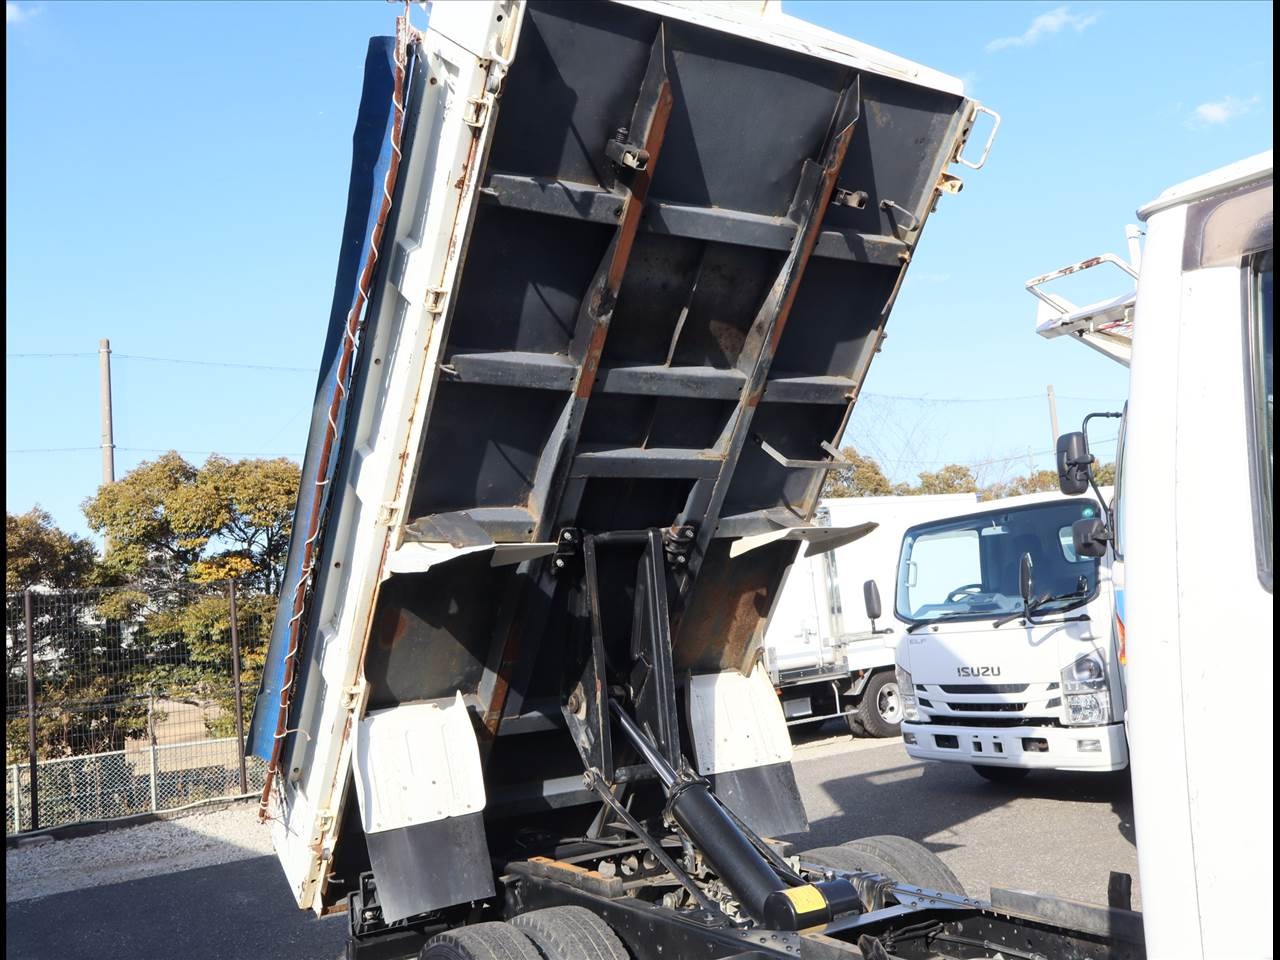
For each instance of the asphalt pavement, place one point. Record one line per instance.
(1052, 833)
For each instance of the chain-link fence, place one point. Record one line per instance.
(127, 700)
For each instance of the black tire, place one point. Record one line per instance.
(855, 723)
(880, 709)
(897, 858)
(481, 941)
(571, 933)
(1000, 774)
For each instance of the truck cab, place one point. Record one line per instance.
(829, 649)
(1007, 660)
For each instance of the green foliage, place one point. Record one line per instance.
(169, 523)
(37, 553)
(952, 478)
(159, 624)
(861, 477)
(864, 478)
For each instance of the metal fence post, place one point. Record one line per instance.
(31, 706)
(151, 733)
(17, 800)
(235, 673)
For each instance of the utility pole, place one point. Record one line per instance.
(108, 443)
(1053, 417)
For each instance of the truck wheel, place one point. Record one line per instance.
(880, 710)
(894, 857)
(855, 722)
(1000, 774)
(571, 933)
(481, 941)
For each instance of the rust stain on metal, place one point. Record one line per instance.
(591, 362)
(714, 634)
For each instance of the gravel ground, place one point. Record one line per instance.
(45, 867)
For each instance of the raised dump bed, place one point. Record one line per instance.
(611, 278)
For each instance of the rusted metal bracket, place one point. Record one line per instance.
(857, 199)
(837, 457)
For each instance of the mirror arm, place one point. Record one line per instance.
(1093, 483)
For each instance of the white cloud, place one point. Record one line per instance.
(15, 12)
(1054, 21)
(1217, 112)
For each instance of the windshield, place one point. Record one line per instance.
(967, 568)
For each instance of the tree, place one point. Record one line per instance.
(1038, 481)
(860, 477)
(38, 553)
(171, 524)
(147, 518)
(953, 478)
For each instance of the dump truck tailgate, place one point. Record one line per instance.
(607, 267)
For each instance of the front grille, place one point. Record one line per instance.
(991, 722)
(984, 687)
(987, 707)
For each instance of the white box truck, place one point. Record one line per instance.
(823, 649)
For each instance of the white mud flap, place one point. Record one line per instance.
(421, 791)
(816, 539)
(741, 745)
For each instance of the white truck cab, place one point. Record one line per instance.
(829, 647)
(1008, 660)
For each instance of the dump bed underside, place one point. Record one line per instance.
(673, 255)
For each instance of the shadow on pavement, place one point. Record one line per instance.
(240, 909)
(920, 800)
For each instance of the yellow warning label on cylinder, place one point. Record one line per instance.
(806, 899)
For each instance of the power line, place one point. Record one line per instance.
(183, 360)
(30, 356)
(232, 453)
(979, 463)
(51, 450)
(1029, 396)
(213, 363)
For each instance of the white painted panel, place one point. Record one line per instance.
(736, 722)
(417, 763)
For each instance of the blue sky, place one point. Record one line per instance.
(176, 182)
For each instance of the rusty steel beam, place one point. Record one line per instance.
(637, 149)
(813, 197)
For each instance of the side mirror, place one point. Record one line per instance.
(1089, 537)
(871, 597)
(1026, 579)
(1073, 464)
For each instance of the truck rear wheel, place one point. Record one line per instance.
(894, 857)
(1000, 774)
(481, 941)
(571, 933)
(880, 710)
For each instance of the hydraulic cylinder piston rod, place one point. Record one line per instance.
(765, 895)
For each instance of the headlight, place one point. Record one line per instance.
(1086, 694)
(907, 691)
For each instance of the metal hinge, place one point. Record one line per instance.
(434, 304)
(477, 111)
(387, 514)
(351, 696)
